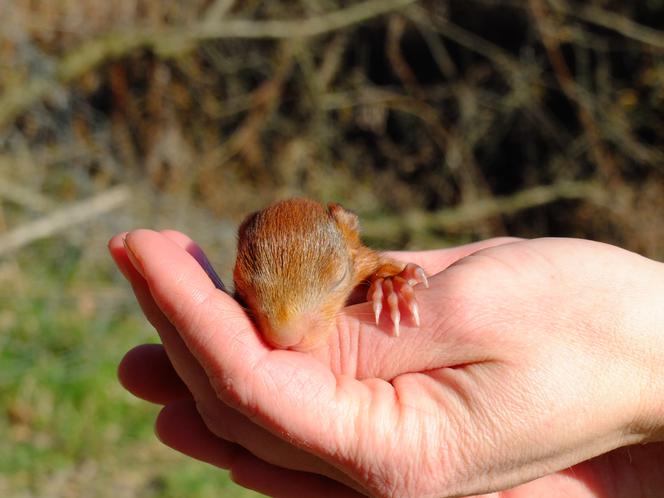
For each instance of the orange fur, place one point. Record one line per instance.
(296, 259)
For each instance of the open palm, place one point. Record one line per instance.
(508, 378)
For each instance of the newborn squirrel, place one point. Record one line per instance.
(299, 261)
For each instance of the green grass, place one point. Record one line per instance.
(67, 428)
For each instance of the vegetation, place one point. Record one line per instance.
(68, 427)
(438, 121)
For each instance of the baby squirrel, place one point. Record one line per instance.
(298, 262)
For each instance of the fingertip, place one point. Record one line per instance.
(140, 238)
(118, 251)
(116, 242)
(171, 417)
(182, 287)
(137, 236)
(116, 246)
(147, 373)
(179, 238)
(199, 255)
(253, 473)
(157, 254)
(180, 426)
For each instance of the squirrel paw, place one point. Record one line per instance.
(397, 289)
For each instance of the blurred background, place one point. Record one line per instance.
(439, 122)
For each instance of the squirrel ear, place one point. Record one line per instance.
(348, 221)
(246, 224)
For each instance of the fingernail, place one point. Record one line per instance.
(132, 256)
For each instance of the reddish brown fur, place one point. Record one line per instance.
(297, 258)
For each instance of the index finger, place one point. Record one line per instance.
(262, 383)
(436, 260)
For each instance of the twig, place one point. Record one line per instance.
(332, 60)
(466, 39)
(400, 66)
(396, 101)
(440, 54)
(63, 218)
(301, 28)
(218, 10)
(603, 160)
(94, 52)
(611, 20)
(591, 13)
(478, 210)
(24, 197)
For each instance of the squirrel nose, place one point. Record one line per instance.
(283, 336)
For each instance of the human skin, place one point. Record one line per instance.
(536, 372)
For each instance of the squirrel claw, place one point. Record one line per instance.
(393, 304)
(396, 317)
(376, 297)
(415, 312)
(414, 274)
(396, 291)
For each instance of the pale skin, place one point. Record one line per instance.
(537, 371)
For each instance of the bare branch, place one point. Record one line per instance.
(479, 210)
(24, 197)
(301, 28)
(466, 39)
(93, 53)
(543, 20)
(613, 21)
(75, 214)
(218, 10)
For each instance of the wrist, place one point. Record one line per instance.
(645, 313)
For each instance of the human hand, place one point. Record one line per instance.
(532, 356)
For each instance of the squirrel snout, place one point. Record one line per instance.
(285, 336)
(298, 335)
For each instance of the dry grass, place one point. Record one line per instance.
(385, 105)
(438, 121)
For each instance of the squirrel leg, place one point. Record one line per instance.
(392, 285)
